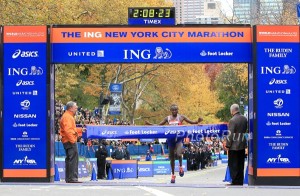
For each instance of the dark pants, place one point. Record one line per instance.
(71, 161)
(101, 168)
(236, 161)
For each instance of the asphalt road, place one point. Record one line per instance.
(205, 182)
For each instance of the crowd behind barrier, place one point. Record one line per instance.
(89, 152)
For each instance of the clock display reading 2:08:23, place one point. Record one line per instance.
(151, 13)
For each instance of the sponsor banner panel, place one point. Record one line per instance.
(172, 52)
(60, 162)
(84, 167)
(128, 168)
(24, 97)
(164, 167)
(161, 167)
(145, 169)
(151, 35)
(194, 132)
(277, 99)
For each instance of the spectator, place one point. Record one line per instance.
(148, 156)
(119, 153)
(90, 145)
(236, 144)
(151, 149)
(69, 135)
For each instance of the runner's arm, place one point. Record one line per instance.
(161, 123)
(192, 122)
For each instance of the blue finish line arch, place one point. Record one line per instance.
(123, 44)
(29, 54)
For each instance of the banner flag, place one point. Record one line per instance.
(194, 132)
(115, 99)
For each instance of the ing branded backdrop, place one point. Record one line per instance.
(277, 94)
(25, 102)
(274, 115)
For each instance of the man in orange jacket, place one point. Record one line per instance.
(69, 134)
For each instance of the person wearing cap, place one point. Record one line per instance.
(119, 153)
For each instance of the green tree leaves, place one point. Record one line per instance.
(231, 85)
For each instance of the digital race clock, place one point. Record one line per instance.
(151, 16)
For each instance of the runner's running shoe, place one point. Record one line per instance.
(181, 172)
(173, 179)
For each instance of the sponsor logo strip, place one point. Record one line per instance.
(278, 34)
(25, 34)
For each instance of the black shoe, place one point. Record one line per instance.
(233, 184)
(73, 181)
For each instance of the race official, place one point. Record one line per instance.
(69, 134)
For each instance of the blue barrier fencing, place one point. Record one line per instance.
(86, 152)
(129, 168)
(85, 167)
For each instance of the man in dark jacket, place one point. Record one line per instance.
(119, 153)
(101, 155)
(236, 144)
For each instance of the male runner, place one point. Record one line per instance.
(175, 144)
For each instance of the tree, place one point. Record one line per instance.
(188, 86)
(231, 84)
(135, 79)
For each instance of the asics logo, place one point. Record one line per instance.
(24, 54)
(274, 81)
(24, 83)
